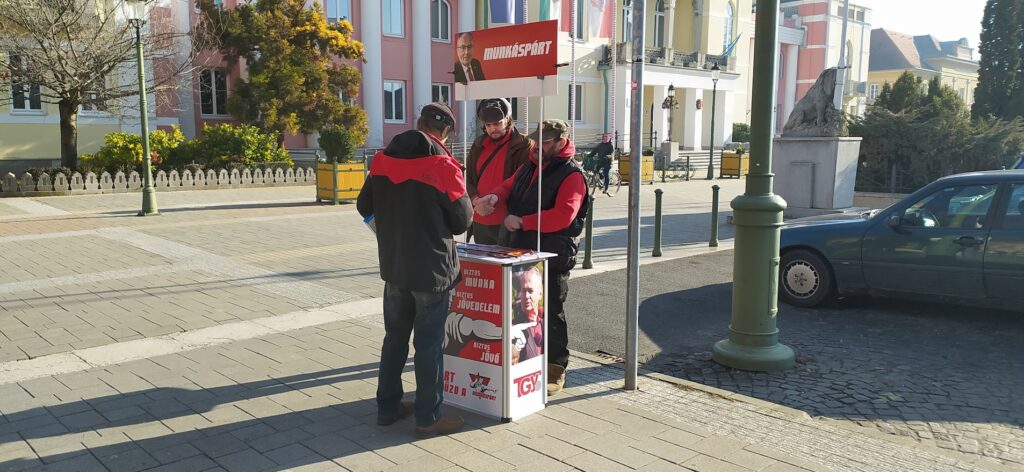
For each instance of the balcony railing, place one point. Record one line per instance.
(690, 60)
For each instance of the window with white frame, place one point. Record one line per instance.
(730, 18)
(579, 19)
(394, 19)
(627, 21)
(441, 93)
(576, 104)
(394, 101)
(659, 24)
(514, 102)
(218, 3)
(337, 10)
(440, 20)
(24, 96)
(874, 91)
(93, 104)
(213, 92)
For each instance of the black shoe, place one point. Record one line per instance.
(404, 410)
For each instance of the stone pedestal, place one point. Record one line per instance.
(668, 153)
(815, 175)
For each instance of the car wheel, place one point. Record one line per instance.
(805, 279)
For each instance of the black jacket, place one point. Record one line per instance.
(460, 72)
(417, 195)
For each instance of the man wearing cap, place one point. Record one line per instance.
(563, 206)
(494, 157)
(416, 193)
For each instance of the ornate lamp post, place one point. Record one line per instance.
(669, 104)
(135, 11)
(715, 73)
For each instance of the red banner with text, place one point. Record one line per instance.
(508, 52)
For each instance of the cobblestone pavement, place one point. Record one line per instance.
(108, 300)
(946, 376)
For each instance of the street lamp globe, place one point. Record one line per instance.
(672, 90)
(134, 11)
(716, 72)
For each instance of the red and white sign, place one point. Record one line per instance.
(507, 52)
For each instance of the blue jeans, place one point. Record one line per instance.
(404, 312)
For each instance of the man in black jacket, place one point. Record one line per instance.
(417, 197)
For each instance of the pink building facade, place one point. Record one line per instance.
(810, 41)
(409, 47)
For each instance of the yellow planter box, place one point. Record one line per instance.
(735, 165)
(646, 169)
(350, 181)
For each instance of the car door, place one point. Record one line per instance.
(1004, 254)
(934, 245)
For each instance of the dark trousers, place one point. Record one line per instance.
(558, 329)
(604, 173)
(406, 311)
(485, 234)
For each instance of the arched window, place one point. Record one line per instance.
(440, 20)
(659, 24)
(727, 30)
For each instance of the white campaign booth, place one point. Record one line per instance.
(485, 370)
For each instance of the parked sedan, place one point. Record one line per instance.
(960, 237)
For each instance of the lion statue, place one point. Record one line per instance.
(815, 115)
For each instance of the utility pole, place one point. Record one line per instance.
(843, 62)
(633, 229)
(753, 342)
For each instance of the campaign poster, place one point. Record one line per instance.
(527, 337)
(507, 52)
(473, 340)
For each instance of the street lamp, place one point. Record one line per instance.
(669, 104)
(715, 73)
(135, 12)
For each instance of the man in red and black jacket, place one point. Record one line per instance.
(494, 157)
(417, 197)
(564, 203)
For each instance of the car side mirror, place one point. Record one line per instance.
(894, 221)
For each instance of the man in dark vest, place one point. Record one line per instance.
(563, 209)
(417, 197)
(494, 157)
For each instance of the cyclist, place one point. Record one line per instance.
(603, 152)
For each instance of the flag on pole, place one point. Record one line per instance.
(732, 45)
(502, 11)
(601, 16)
(560, 10)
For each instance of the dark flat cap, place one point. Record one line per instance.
(438, 112)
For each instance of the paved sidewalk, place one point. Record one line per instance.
(240, 331)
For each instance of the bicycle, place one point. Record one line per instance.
(595, 180)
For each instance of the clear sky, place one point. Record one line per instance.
(947, 20)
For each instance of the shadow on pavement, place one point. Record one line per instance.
(144, 429)
(946, 373)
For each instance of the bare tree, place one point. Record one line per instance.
(82, 52)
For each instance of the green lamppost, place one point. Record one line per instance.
(753, 342)
(716, 72)
(135, 11)
(671, 105)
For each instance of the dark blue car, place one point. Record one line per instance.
(959, 238)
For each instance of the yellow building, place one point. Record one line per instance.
(893, 53)
(684, 39)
